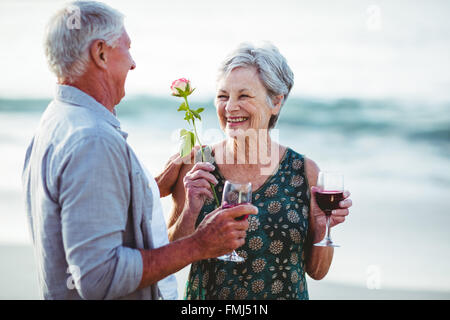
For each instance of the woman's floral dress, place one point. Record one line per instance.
(274, 266)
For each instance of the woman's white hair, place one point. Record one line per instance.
(71, 31)
(273, 70)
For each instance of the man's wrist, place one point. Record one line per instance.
(195, 246)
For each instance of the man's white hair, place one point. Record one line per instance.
(71, 31)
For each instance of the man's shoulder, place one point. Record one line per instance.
(67, 128)
(70, 123)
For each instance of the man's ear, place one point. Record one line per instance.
(277, 101)
(98, 52)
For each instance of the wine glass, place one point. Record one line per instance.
(233, 195)
(331, 192)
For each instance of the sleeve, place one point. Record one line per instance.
(94, 197)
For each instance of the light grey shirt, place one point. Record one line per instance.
(88, 202)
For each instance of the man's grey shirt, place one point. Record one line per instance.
(88, 202)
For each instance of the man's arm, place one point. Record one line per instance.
(218, 234)
(161, 262)
(94, 197)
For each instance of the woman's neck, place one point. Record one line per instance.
(250, 152)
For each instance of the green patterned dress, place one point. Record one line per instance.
(274, 249)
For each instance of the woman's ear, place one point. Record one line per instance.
(98, 52)
(277, 101)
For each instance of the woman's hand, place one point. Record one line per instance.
(197, 186)
(337, 216)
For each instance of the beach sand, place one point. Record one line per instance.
(18, 281)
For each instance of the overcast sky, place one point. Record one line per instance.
(353, 48)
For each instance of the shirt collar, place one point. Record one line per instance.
(79, 98)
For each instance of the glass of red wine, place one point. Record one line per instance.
(331, 192)
(235, 194)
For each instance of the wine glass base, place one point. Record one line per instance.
(233, 256)
(326, 243)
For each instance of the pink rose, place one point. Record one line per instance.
(182, 84)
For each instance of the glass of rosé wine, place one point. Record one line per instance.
(331, 192)
(235, 194)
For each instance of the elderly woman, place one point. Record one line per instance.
(253, 85)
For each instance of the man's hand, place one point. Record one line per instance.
(166, 180)
(220, 233)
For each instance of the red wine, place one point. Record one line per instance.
(329, 200)
(226, 205)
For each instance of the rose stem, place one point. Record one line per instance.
(201, 149)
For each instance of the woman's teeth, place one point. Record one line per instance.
(236, 119)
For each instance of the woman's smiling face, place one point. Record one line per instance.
(241, 101)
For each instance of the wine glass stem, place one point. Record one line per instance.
(327, 229)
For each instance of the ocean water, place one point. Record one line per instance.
(394, 155)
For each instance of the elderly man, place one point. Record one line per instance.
(90, 204)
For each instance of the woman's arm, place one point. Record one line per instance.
(318, 259)
(190, 192)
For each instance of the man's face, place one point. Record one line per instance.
(119, 63)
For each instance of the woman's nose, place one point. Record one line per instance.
(231, 105)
